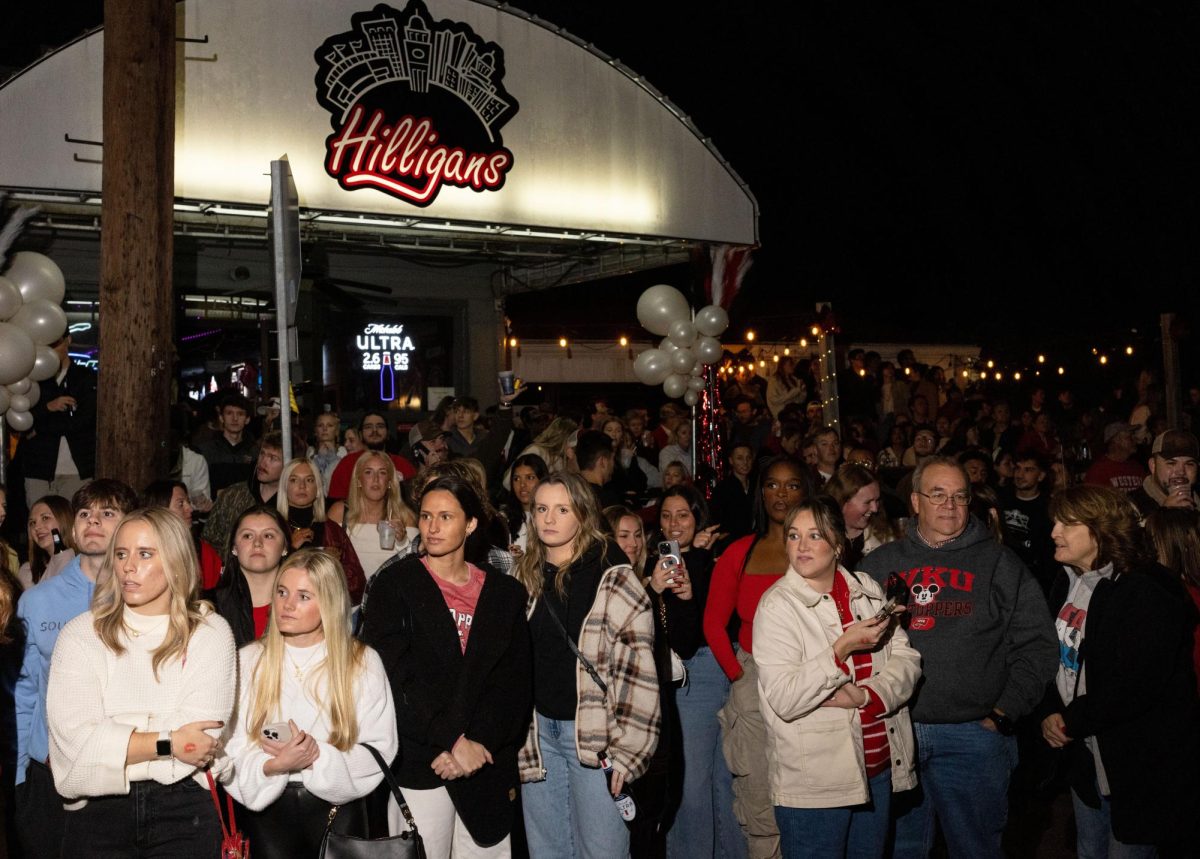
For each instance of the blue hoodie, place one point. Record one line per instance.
(45, 610)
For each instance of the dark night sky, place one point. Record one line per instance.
(1021, 175)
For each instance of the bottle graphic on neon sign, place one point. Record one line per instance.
(387, 379)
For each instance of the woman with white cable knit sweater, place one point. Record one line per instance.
(309, 696)
(140, 687)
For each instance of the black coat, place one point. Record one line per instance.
(231, 599)
(1140, 704)
(442, 693)
(39, 449)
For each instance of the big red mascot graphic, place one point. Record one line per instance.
(415, 104)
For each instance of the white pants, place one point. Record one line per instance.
(441, 829)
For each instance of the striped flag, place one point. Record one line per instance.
(729, 266)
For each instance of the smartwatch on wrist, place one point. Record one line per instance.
(1003, 724)
(162, 748)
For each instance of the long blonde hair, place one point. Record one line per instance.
(530, 567)
(178, 558)
(343, 654)
(281, 500)
(393, 505)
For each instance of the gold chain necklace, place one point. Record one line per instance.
(299, 672)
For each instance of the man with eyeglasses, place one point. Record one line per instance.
(373, 430)
(988, 651)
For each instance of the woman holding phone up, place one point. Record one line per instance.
(834, 674)
(309, 695)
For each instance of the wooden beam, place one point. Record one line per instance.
(137, 240)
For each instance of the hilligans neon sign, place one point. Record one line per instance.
(415, 104)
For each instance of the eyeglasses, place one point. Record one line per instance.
(939, 498)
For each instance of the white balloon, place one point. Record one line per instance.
(33, 394)
(712, 320)
(4, 398)
(682, 333)
(42, 320)
(675, 385)
(37, 276)
(661, 305)
(19, 403)
(20, 386)
(10, 298)
(698, 368)
(652, 367)
(682, 360)
(45, 365)
(19, 421)
(695, 383)
(708, 349)
(667, 346)
(691, 397)
(16, 353)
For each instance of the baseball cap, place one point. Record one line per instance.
(1115, 429)
(1173, 443)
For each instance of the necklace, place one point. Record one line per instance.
(299, 670)
(138, 633)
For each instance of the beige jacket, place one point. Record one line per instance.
(816, 753)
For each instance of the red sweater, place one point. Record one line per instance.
(732, 589)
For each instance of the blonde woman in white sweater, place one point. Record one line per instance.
(307, 672)
(140, 687)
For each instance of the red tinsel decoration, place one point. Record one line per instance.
(710, 465)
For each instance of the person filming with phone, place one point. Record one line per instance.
(835, 673)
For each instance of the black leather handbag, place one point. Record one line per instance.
(406, 845)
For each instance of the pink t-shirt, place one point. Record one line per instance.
(461, 599)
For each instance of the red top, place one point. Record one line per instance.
(732, 589)
(339, 481)
(876, 756)
(461, 599)
(1195, 594)
(1123, 476)
(210, 566)
(261, 614)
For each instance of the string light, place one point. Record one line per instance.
(803, 343)
(1062, 370)
(787, 351)
(816, 331)
(512, 342)
(1041, 359)
(983, 375)
(1103, 359)
(907, 371)
(762, 363)
(1128, 350)
(624, 341)
(562, 342)
(862, 372)
(991, 363)
(775, 358)
(1017, 375)
(964, 374)
(999, 376)
(750, 336)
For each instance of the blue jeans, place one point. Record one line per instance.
(704, 826)
(1094, 838)
(853, 831)
(964, 770)
(570, 813)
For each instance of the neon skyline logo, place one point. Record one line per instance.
(415, 105)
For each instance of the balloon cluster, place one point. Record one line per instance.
(688, 344)
(31, 290)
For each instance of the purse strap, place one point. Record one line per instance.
(231, 829)
(393, 784)
(587, 665)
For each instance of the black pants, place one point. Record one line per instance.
(39, 817)
(171, 821)
(293, 826)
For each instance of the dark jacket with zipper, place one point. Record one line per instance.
(1140, 704)
(442, 693)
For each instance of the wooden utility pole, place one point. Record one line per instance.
(137, 240)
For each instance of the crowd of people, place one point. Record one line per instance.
(563, 634)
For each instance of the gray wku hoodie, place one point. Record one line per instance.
(979, 620)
